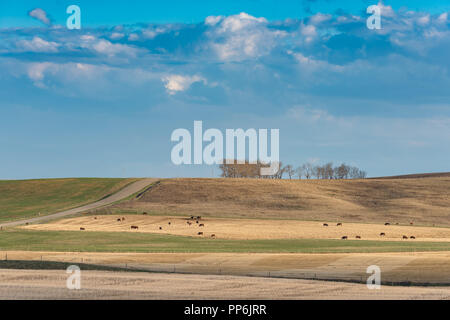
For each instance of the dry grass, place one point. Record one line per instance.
(424, 201)
(244, 229)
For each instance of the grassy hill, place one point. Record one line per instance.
(423, 201)
(21, 199)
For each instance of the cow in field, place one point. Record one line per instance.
(134, 227)
(387, 224)
(325, 224)
(160, 228)
(119, 219)
(382, 234)
(339, 224)
(344, 238)
(169, 223)
(201, 225)
(405, 237)
(213, 235)
(144, 213)
(198, 218)
(123, 218)
(358, 237)
(82, 229)
(412, 237)
(189, 223)
(200, 233)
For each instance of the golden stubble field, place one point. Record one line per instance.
(51, 284)
(415, 267)
(244, 228)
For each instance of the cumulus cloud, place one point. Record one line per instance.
(40, 15)
(241, 36)
(176, 83)
(38, 44)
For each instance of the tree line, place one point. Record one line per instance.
(307, 171)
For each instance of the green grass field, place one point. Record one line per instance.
(68, 241)
(22, 199)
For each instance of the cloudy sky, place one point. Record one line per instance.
(104, 100)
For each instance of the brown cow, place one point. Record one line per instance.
(412, 237)
(134, 227)
(169, 223)
(344, 238)
(201, 225)
(189, 223)
(325, 224)
(200, 233)
(160, 228)
(382, 234)
(196, 221)
(123, 218)
(119, 219)
(95, 218)
(198, 218)
(358, 237)
(339, 224)
(213, 235)
(82, 229)
(387, 224)
(144, 213)
(405, 237)
(411, 223)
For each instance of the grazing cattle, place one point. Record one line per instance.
(189, 223)
(325, 224)
(412, 237)
(358, 237)
(382, 234)
(119, 219)
(196, 221)
(396, 223)
(213, 235)
(26, 223)
(344, 238)
(134, 227)
(160, 228)
(144, 213)
(339, 224)
(411, 223)
(198, 218)
(82, 229)
(192, 217)
(169, 223)
(201, 225)
(123, 218)
(387, 224)
(200, 233)
(405, 237)
(95, 218)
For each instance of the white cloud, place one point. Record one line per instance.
(241, 36)
(38, 45)
(40, 15)
(175, 83)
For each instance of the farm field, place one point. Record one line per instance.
(102, 241)
(50, 284)
(423, 201)
(21, 199)
(243, 229)
(424, 268)
(263, 229)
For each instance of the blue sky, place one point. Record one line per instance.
(103, 100)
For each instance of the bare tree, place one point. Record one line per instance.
(289, 169)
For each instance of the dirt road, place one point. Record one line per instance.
(121, 194)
